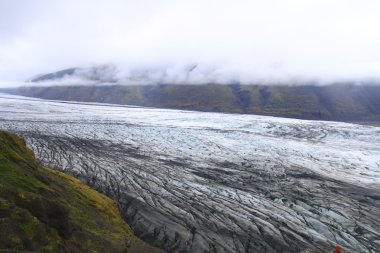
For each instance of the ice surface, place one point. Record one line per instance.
(211, 181)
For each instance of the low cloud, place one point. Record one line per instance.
(287, 41)
(180, 74)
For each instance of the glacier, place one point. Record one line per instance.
(215, 182)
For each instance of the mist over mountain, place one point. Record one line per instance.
(248, 41)
(101, 73)
(181, 74)
(347, 101)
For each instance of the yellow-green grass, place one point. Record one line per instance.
(48, 211)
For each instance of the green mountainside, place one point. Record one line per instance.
(341, 102)
(42, 210)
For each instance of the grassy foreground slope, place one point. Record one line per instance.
(42, 210)
(340, 102)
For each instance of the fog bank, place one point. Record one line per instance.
(288, 41)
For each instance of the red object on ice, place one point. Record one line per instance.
(338, 249)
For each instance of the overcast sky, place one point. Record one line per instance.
(246, 41)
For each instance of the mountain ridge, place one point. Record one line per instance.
(337, 102)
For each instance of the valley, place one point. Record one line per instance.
(215, 182)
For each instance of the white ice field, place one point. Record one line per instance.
(215, 182)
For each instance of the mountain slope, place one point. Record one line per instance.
(48, 211)
(56, 75)
(339, 102)
(99, 73)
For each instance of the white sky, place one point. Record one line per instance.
(241, 40)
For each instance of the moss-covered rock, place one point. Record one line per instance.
(43, 210)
